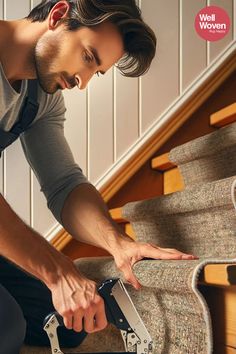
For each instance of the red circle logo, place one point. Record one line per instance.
(212, 23)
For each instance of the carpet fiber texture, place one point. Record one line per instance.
(208, 158)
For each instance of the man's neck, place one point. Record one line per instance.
(17, 59)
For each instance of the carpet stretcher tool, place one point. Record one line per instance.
(120, 311)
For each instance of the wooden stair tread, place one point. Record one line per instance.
(223, 117)
(116, 215)
(162, 163)
(219, 274)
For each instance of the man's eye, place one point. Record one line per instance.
(87, 58)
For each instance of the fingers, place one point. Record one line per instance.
(78, 321)
(94, 322)
(92, 319)
(68, 321)
(129, 275)
(100, 317)
(89, 321)
(153, 251)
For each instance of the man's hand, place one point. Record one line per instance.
(130, 252)
(76, 299)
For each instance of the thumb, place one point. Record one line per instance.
(130, 277)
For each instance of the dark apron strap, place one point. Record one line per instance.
(27, 114)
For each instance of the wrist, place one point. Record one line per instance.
(117, 242)
(64, 267)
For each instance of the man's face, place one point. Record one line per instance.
(66, 58)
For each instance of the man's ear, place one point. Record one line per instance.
(59, 11)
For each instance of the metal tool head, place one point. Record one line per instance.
(120, 311)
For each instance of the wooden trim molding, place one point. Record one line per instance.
(61, 240)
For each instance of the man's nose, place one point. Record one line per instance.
(84, 78)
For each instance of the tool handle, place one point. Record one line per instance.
(104, 290)
(56, 314)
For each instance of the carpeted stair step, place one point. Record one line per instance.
(200, 220)
(169, 303)
(208, 158)
(153, 275)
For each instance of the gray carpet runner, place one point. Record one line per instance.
(207, 158)
(200, 220)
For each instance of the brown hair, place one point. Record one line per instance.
(138, 38)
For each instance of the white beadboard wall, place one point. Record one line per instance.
(107, 119)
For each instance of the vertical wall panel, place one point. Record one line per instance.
(160, 86)
(14, 11)
(126, 109)
(101, 125)
(17, 170)
(218, 46)
(18, 181)
(42, 218)
(1, 10)
(193, 46)
(76, 124)
(35, 2)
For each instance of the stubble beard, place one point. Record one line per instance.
(45, 55)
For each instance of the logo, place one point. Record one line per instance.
(212, 23)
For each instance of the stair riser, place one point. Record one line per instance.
(188, 232)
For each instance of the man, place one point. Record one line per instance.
(63, 44)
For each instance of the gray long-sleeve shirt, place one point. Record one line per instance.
(44, 143)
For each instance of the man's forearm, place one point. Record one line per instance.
(26, 248)
(86, 217)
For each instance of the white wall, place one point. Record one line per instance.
(107, 118)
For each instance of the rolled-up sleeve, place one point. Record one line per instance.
(51, 159)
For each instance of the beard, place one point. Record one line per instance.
(45, 55)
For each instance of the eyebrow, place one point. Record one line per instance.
(96, 56)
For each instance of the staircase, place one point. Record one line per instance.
(196, 181)
(183, 303)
